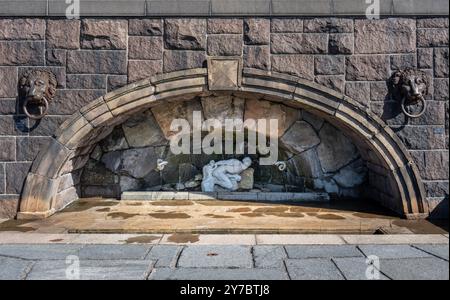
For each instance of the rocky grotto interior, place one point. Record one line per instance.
(318, 156)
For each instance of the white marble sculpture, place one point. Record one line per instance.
(224, 173)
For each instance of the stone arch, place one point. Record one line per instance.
(382, 150)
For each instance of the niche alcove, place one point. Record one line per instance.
(330, 142)
(318, 157)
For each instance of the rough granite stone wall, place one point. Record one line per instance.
(351, 55)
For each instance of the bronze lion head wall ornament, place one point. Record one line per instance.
(410, 86)
(37, 88)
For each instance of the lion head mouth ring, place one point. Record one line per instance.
(411, 86)
(37, 89)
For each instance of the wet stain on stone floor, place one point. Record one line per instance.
(240, 209)
(170, 215)
(144, 239)
(106, 209)
(217, 216)
(183, 238)
(86, 204)
(16, 225)
(121, 215)
(171, 203)
(188, 218)
(329, 217)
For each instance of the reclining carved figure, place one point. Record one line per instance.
(224, 173)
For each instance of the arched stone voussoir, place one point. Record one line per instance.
(97, 112)
(37, 197)
(181, 84)
(50, 159)
(129, 97)
(268, 83)
(73, 130)
(359, 117)
(92, 122)
(321, 98)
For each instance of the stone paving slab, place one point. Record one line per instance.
(441, 251)
(313, 251)
(269, 256)
(393, 251)
(226, 256)
(164, 255)
(218, 274)
(313, 269)
(210, 239)
(109, 252)
(356, 239)
(220, 239)
(117, 238)
(415, 269)
(355, 268)
(36, 238)
(13, 268)
(92, 270)
(299, 239)
(51, 261)
(47, 251)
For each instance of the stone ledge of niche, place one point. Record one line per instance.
(203, 196)
(242, 196)
(294, 197)
(149, 196)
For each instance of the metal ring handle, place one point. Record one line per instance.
(36, 117)
(411, 115)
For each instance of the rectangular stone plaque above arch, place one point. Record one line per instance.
(224, 73)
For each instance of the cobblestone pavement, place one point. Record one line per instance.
(226, 261)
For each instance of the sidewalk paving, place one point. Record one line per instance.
(292, 257)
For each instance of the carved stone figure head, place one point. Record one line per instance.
(37, 88)
(247, 162)
(410, 84)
